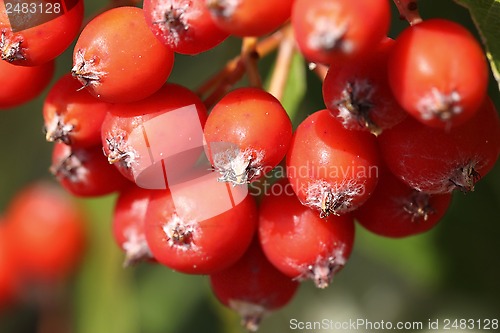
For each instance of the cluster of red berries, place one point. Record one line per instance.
(407, 121)
(42, 239)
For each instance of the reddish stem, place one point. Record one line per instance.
(250, 58)
(320, 70)
(234, 70)
(408, 9)
(282, 67)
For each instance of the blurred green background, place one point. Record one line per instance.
(450, 272)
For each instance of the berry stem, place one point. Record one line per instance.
(232, 73)
(282, 65)
(319, 69)
(250, 58)
(216, 79)
(235, 68)
(408, 10)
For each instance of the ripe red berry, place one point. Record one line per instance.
(358, 94)
(248, 133)
(129, 224)
(249, 17)
(34, 33)
(21, 84)
(331, 169)
(397, 210)
(300, 243)
(49, 232)
(185, 26)
(438, 73)
(72, 115)
(201, 226)
(9, 279)
(331, 30)
(253, 287)
(155, 140)
(436, 161)
(118, 59)
(85, 172)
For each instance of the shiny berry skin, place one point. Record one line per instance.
(73, 116)
(33, 40)
(328, 31)
(438, 73)
(162, 131)
(118, 59)
(49, 231)
(397, 210)
(253, 287)
(331, 169)
(358, 94)
(129, 224)
(248, 133)
(22, 84)
(201, 226)
(436, 161)
(185, 26)
(298, 242)
(249, 17)
(85, 172)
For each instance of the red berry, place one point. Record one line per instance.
(72, 115)
(49, 232)
(436, 161)
(300, 243)
(253, 287)
(438, 73)
(331, 169)
(397, 210)
(331, 30)
(249, 17)
(22, 84)
(85, 172)
(129, 224)
(9, 279)
(358, 94)
(201, 226)
(248, 133)
(156, 140)
(185, 26)
(118, 59)
(34, 33)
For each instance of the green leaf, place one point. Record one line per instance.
(486, 16)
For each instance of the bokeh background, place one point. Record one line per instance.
(450, 272)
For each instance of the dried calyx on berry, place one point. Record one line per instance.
(11, 46)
